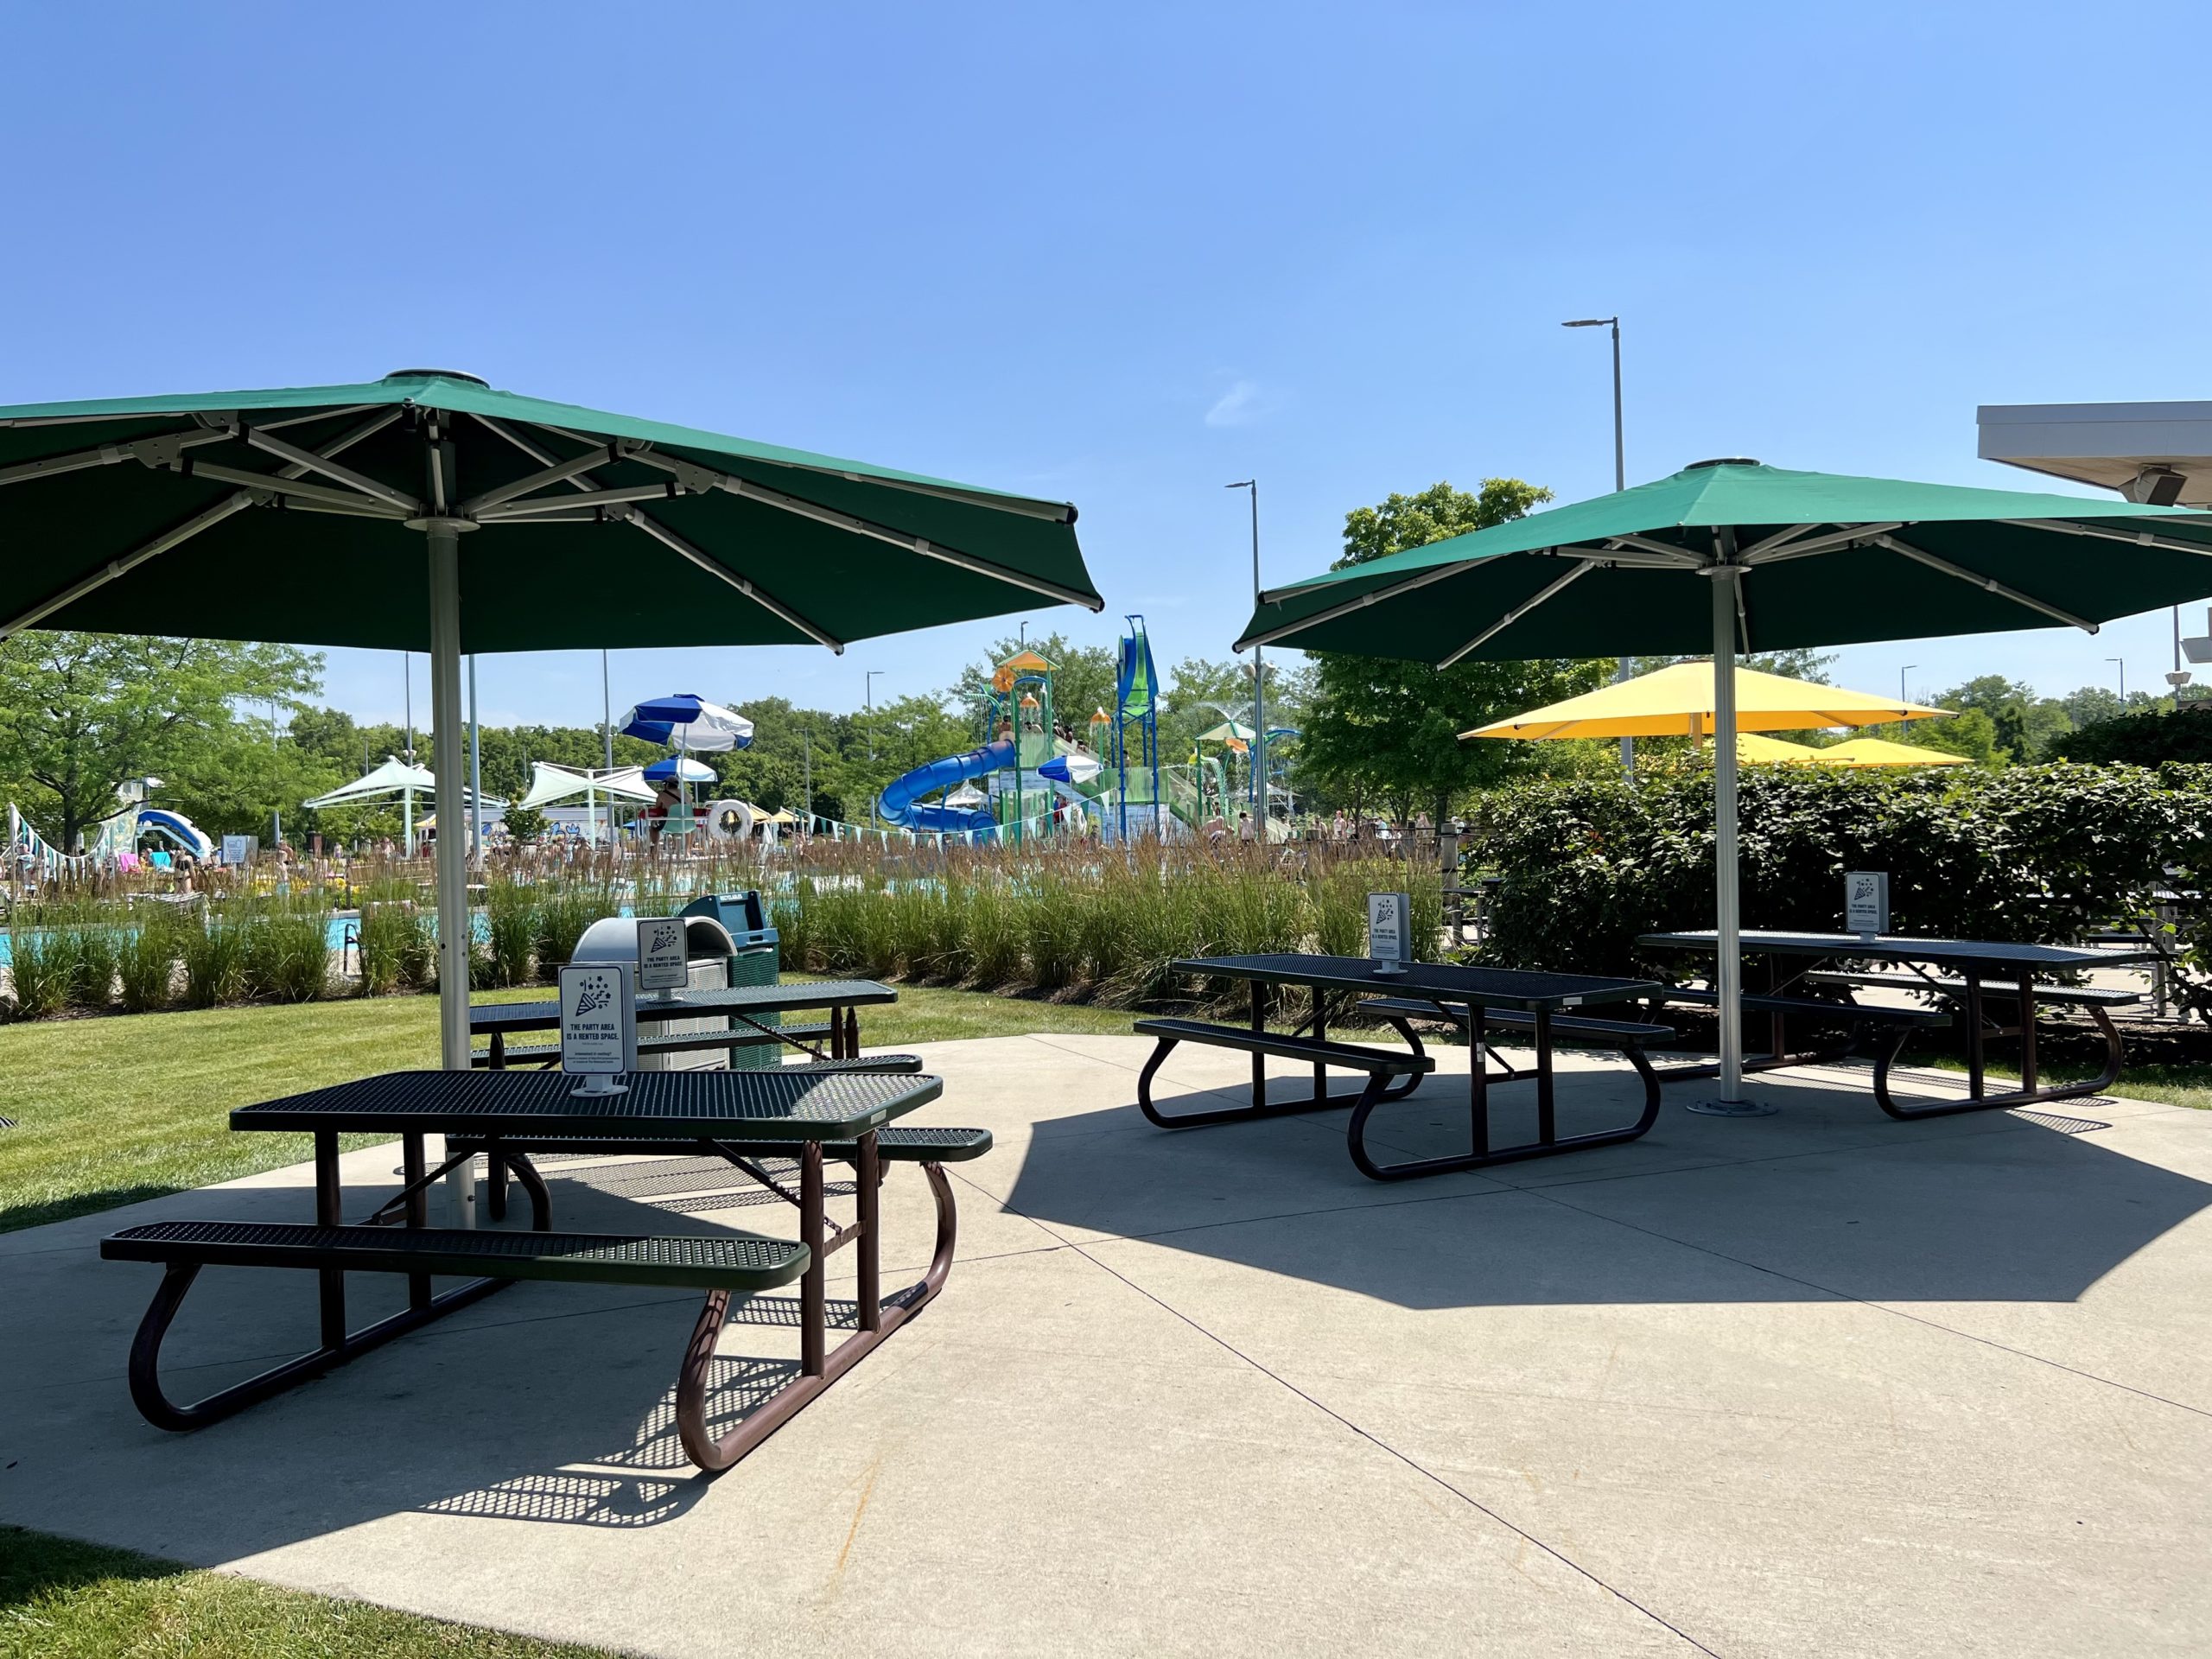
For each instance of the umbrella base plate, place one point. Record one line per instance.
(1731, 1109)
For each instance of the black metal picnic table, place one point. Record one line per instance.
(1468, 997)
(743, 1117)
(2009, 970)
(743, 1003)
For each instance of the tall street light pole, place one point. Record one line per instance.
(1259, 678)
(475, 775)
(2122, 661)
(1902, 697)
(1620, 482)
(606, 727)
(868, 696)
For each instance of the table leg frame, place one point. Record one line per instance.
(1548, 1142)
(819, 1365)
(339, 1345)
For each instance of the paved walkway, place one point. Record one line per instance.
(1814, 1384)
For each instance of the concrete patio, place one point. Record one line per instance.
(1815, 1383)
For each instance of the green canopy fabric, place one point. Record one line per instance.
(428, 511)
(831, 550)
(1827, 561)
(1730, 556)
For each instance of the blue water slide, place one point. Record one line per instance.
(179, 829)
(901, 800)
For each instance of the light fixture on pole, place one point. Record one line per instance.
(1259, 678)
(2122, 661)
(1620, 482)
(1902, 672)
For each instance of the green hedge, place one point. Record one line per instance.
(2144, 740)
(2036, 852)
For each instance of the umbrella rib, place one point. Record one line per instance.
(768, 602)
(1833, 542)
(309, 461)
(205, 520)
(559, 472)
(1672, 556)
(1346, 607)
(1521, 610)
(107, 455)
(2132, 538)
(537, 505)
(1773, 541)
(1988, 584)
(277, 484)
(746, 489)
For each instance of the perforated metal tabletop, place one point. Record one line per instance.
(654, 1005)
(679, 1105)
(1488, 987)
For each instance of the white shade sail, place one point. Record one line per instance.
(394, 776)
(550, 783)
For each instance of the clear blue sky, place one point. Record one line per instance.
(1121, 255)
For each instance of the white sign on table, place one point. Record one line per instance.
(1866, 902)
(1389, 928)
(599, 1024)
(662, 965)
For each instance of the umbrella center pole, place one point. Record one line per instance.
(449, 760)
(1728, 957)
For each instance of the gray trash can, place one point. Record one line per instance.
(707, 947)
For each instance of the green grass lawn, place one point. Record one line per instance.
(113, 1110)
(2173, 1085)
(62, 1599)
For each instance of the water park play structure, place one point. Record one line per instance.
(1028, 780)
(106, 843)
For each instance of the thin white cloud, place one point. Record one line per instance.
(1237, 406)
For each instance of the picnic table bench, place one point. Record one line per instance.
(747, 1118)
(746, 1007)
(1467, 997)
(1967, 973)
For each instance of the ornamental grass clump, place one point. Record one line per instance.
(565, 909)
(512, 923)
(286, 951)
(215, 960)
(994, 935)
(146, 965)
(95, 946)
(388, 943)
(1052, 927)
(42, 965)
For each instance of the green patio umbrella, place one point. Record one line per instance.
(1730, 556)
(428, 511)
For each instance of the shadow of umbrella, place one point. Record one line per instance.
(1999, 1210)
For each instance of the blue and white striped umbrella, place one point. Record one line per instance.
(677, 769)
(688, 722)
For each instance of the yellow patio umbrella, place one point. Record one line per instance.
(1880, 752)
(1772, 751)
(1677, 700)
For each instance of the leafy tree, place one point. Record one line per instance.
(1381, 731)
(81, 713)
(1972, 734)
(1802, 664)
(2025, 724)
(1083, 680)
(525, 823)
